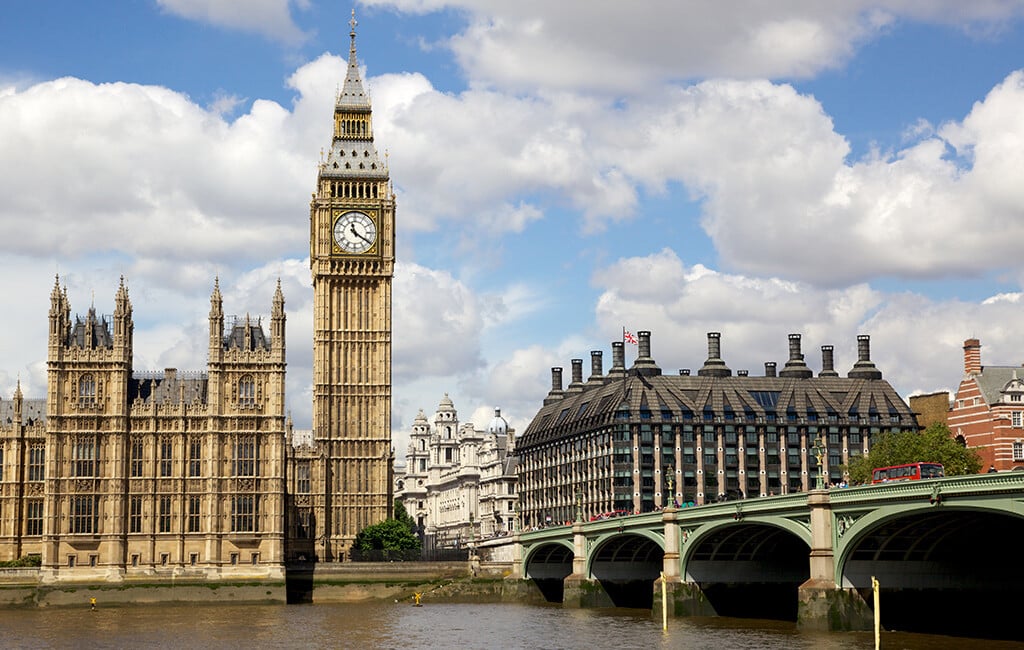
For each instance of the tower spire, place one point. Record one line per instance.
(352, 94)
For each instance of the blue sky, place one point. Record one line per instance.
(562, 171)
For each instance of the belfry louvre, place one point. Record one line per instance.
(635, 440)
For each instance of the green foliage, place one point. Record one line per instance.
(388, 535)
(403, 516)
(933, 445)
(27, 561)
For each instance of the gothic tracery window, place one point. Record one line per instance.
(245, 456)
(247, 392)
(87, 391)
(83, 456)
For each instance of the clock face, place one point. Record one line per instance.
(355, 232)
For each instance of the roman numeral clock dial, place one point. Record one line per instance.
(355, 232)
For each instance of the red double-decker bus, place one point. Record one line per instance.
(908, 472)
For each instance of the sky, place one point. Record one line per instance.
(563, 170)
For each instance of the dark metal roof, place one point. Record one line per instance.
(92, 332)
(736, 400)
(33, 410)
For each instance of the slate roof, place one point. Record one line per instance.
(733, 399)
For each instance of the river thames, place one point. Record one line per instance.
(435, 625)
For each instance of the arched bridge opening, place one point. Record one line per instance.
(548, 566)
(750, 570)
(944, 571)
(627, 566)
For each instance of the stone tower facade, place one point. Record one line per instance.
(161, 474)
(352, 255)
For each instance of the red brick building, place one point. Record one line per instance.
(988, 410)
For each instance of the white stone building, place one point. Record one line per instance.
(459, 484)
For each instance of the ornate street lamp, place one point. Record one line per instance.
(671, 494)
(819, 450)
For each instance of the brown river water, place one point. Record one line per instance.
(434, 625)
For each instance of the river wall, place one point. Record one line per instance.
(313, 583)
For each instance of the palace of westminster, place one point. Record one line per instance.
(119, 473)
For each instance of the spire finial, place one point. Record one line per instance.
(352, 34)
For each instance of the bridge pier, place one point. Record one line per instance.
(823, 605)
(684, 599)
(577, 589)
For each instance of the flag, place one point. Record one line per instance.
(628, 337)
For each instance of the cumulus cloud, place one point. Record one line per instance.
(606, 46)
(269, 18)
(779, 194)
(146, 172)
(916, 341)
(437, 324)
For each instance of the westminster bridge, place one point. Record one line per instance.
(944, 552)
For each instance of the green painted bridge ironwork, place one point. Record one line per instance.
(921, 539)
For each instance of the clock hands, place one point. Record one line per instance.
(352, 229)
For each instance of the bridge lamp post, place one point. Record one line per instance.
(819, 454)
(579, 505)
(671, 494)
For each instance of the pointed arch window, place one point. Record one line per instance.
(36, 462)
(83, 514)
(166, 456)
(83, 456)
(135, 459)
(246, 456)
(87, 397)
(247, 392)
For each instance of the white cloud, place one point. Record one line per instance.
(610, 47)
(269, 18)
(915, 341)
(147, 173)
(437, 325)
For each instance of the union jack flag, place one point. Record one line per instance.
(628, 337)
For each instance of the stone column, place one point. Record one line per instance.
(823, 605)
(684, 598)
(579, 590)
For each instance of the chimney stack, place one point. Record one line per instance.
(796, 367)
(827, 362)
(714, 366)
(644, 364)
(596, 367)
(556, 387)
(972, 357)
(769, 368)
(576, 385)
(618, 369)
(864, 368)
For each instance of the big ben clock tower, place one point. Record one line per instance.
(352, 258)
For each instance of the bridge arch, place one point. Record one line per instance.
(750, 568)
(627, 564)
(953, 558)
(547, 564)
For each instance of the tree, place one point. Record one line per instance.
(388, 535)
(933, 445)
(402, 515)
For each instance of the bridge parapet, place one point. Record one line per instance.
(952, 486)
